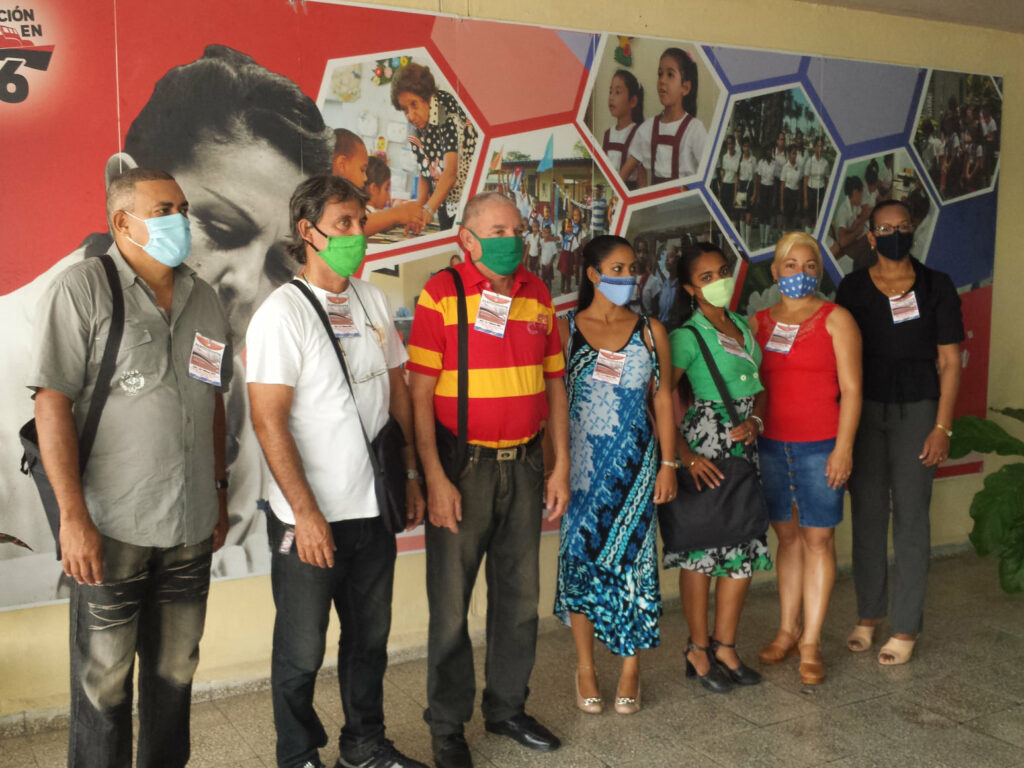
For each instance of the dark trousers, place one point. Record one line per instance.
(152, 602)
(359, 585)
(888, 477)
(501, 517)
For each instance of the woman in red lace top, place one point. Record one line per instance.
(811, 371)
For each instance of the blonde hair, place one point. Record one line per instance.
(792, 239)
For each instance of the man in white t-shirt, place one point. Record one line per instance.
(328, 540)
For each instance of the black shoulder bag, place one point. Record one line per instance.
(451, 449)
(31, 460)
(730, 514)
(385, 449)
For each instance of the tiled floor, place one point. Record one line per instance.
(958, 704)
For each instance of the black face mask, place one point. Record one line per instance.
(896, 246)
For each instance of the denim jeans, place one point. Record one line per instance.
(152, 602)
(359, 585)
(501, 517)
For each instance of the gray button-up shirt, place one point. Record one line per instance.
(150, 477)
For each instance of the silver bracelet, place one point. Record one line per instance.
(760, 424)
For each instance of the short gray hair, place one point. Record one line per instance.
(480, 201)
(121, 192)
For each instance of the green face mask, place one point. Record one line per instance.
(501, 255)
(719, 293)
(344, 253)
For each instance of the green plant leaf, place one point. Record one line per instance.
(998, 509)
(1011, 561)
(971, 433)
(1013, 413)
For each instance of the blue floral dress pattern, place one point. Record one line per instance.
(607, 557)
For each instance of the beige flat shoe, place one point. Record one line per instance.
(861, 638)
(895, 651)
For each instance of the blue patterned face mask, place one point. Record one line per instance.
(798, 286)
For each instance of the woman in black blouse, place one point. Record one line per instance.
(910, 321)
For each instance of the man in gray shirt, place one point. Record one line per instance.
(139, 526)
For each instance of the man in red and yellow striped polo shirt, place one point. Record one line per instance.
(515, 385)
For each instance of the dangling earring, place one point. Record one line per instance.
(693, 302)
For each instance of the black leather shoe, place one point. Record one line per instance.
(384, 755)
(715, 680)
(742, 675)
(526, 731)
(451, 751)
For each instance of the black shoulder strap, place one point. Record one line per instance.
(322, 314)
(107, 363)
(716, 374)
(462, 406)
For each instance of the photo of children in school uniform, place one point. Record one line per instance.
(959, 131)
(564, 199)
(660, 234)
(650, 107)
(773, 167)
(866, 182)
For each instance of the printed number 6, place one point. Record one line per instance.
(13, 87)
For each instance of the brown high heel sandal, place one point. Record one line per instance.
(776, 652)
(812, 668)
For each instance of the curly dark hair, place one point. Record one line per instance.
(415, 79)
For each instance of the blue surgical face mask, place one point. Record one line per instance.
(170, 238)
(798, 286)
(618, 290)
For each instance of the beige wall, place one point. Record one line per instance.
(33, 654)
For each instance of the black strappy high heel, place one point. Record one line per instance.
(742, 675)
(715, 680)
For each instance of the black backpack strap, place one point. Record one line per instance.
(716, 374)
(462, 406)
(107, 363)
(322, 314)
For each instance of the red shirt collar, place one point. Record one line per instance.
(473, 277)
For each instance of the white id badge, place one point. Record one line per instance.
(204, 364)
(609, 365)
(904, 308)
(782, 338)
(340, 314)
(730, 345)
(286, 541)
(492, 315)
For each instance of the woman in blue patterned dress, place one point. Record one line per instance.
(607, 560)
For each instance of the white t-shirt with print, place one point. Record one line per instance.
(286, 344)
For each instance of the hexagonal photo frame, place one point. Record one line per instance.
(562, 194)
(623, 100)
(774, 164)
(958, 133)
(659, 231)
(865, 182)
(407, 165)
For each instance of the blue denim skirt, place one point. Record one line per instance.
(795, 472)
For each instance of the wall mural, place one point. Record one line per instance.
(663, 141)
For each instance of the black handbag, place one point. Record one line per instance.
(385, 450)
(31, 459)
(730, 514)
(451, 448)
